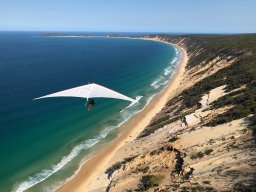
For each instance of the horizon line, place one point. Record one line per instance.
(156, 32)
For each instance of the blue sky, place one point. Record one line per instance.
(189, 16)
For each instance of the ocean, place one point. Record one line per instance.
(43, 142)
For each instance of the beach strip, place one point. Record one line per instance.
(100, 161)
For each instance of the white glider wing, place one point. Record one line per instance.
(89, 91)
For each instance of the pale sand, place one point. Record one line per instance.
(190, 142)
(97, 164)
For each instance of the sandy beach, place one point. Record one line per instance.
(98, 163)
(123, 96)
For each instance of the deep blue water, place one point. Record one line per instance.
(43, 141)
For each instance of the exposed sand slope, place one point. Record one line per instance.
(220, 158)
(203, 158)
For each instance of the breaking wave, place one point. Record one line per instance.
(155, 83)
(159, 82)
(44, 174)
(168, 72)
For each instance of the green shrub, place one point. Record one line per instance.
(198, 155)
(147, 182)
(208, 151)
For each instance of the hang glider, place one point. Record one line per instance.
(90, 91)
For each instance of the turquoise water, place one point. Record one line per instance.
(42, 142)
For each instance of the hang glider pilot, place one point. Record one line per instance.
(91, 104)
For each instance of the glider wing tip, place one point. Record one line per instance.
(37, 98)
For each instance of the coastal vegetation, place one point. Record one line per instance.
(201, 154)
(217, 49)
(204, 137)
(146, 182)
(241, 73)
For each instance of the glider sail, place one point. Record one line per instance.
(89, 91)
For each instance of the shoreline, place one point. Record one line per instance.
(130, 129)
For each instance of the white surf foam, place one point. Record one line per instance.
(159, 84)
(155, 83)
(44, 174)
(169, 70)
